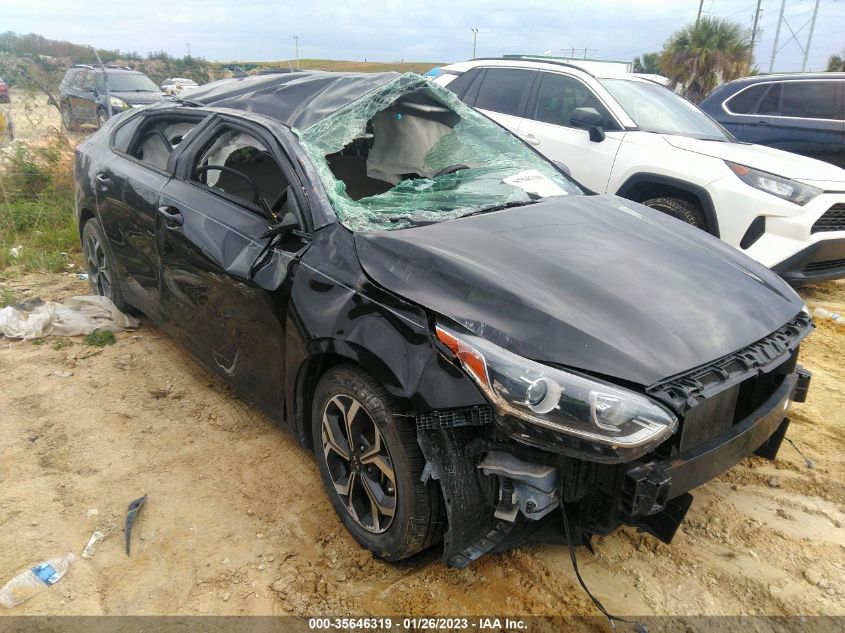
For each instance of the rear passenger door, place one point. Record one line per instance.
(801, 116)
(502, 94)
(547, 126)
(128, 188)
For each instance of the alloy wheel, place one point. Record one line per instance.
(98, 266)
(359, 463)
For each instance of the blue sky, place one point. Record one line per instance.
(387, 30)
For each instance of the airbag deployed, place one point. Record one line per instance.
(409, 131)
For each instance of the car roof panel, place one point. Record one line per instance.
(297, 99)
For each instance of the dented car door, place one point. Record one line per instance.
(231, 317)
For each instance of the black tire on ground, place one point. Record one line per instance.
(680, 209)
(418, 511)
(102, 117)
(102, 276)
(68, 122)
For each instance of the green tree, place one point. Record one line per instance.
(836, 63)
(649, 63)
(700, 57)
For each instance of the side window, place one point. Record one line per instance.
(560, 95)
(123, 135)
(239, 165)
(744, 102)
(157, 138)
(87, 81)
(76, 80)
(809, 99)
(770, 104)
(502, 90)
(461, 84)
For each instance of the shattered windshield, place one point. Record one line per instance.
(411, 153)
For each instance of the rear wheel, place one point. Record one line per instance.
(102, 117)
(371, 466)
(102, 275)
(680, 209)
(68, 122)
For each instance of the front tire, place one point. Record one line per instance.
(371, 466)
(102, 117)
(680, 209)
(102, 275)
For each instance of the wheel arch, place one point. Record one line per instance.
(315, 366)
(642, 186)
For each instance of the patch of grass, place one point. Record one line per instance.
(37, 220)
(100, 338)
(61, 343)
(7, 297)
(38, 341)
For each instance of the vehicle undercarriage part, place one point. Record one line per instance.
(525, 487)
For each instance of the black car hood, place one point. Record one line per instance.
(138, 98)
(590, 282)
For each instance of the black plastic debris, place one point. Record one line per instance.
(131, 513)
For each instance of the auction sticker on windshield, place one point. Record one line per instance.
(533, 182)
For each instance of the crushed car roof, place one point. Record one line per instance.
(297, 99)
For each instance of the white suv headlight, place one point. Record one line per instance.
(591, 410)
(784, 188)
(117, 102)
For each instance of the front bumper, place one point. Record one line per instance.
(817, 262)
(652, 491)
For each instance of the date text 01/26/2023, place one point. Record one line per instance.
(416, 623)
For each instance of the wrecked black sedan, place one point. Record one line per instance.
(475, 348)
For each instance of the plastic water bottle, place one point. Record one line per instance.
(827, 315)
(30, 582)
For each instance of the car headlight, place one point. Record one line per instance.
(117, 102)
(781, 187)
(588, 409)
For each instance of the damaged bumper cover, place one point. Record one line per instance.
(500, 494)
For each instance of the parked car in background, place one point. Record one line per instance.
(177, 85)
(468, 343)
(4, 91)
(801, 113)
(82, 94)
(629, 136)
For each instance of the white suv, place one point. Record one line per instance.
(629, 136)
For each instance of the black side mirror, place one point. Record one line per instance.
(562, 167)
(589, 119)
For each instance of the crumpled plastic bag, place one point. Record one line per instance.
(72, 317)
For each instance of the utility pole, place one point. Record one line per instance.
(777, 36)
(810, 37)
(474, 40)
(698, 17)
(296, 42)
(188, 44)
(754, 35)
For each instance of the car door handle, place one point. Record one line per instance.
(530, 139)
(763, 123)
(172, 216)
(104, 180)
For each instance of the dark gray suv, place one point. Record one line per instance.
(800, 113)
(83, 94)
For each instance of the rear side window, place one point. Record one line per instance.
(809, 99)
(504, 90)
(461, 84)
(560, 95)
(744, 102)
(123, 135)
(771, 102)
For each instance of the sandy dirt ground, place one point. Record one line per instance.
(236, 520)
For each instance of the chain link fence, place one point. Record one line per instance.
(31, 110)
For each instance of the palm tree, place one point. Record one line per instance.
(836, 63)
(701, 56)
(649, 64)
